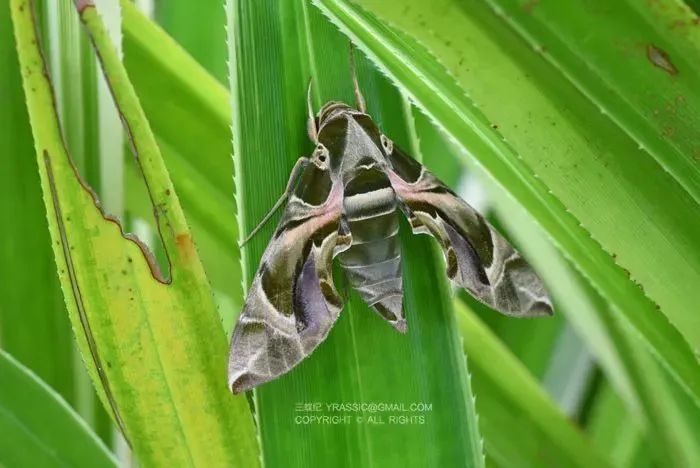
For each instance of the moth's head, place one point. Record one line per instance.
(338, 124)
(334, 110)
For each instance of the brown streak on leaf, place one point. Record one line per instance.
(185, 245)
(529, 6)
(659, 58)
(158, 211)
(77, 295)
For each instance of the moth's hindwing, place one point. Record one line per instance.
(292, 302)
(478, 258)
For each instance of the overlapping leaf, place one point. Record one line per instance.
(38, 428)
(595, 170)
(191, 117)
(25, 249)
(152, 342)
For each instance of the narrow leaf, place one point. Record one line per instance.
(617, 432)
(565, 445)
(204, 39)
(668, 414)
(190, 115)
(38, 428)
(27, 318)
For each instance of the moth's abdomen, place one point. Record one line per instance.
(373, 261)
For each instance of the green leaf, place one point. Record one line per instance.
(275, 47)
(637, 62)
(508, 395)
(694, 5)
(27, 318)
(617, 61)
(570, 162)
(38, 428)
(87, 114)
(667, 413)
(152, 344)
(191, 117)
(617, 432)
(204, 39)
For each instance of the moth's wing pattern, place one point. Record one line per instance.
(292, 302)
(478, 258)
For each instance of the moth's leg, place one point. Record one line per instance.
(359, 99)
(311, 122)
(299, 166)
(344, 232)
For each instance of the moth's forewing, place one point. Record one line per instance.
(478, 258)
(292, 302)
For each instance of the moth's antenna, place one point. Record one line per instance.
(359, 99)
(311, 122)
(291, 183)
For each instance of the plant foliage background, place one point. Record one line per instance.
(572, 125)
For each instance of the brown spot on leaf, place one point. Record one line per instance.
(184, 245)
(660, 59)
(529, 6)
(677, 24)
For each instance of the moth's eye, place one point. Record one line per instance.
(387, 144)
(321, 153)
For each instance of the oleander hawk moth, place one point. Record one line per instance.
(345, 201)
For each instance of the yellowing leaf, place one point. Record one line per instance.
(152, 341)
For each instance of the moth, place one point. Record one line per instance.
(344, 201)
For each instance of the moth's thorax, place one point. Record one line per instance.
(352, 140)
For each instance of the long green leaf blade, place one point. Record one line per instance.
(27, 318)
(38, 428)
(153, 345)
(190, 115)
(206, 39)
(85, 112)
(648, 82)
(670, 417)
(501, 371)
(275, 48)
(638, 63)
(617, 432)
